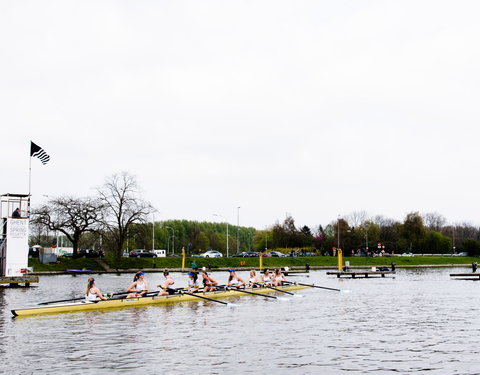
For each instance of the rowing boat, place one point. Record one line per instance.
(142, 301)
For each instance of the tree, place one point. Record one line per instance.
(413, 229)
(434, 221)
(437, 243)
(120, 196)
(70, 216)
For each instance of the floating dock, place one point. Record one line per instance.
(469, 276)
(14, 281)
(290, 272)
(361, 274)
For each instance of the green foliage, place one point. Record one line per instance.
(472, 247)
(64, 264)
(436, 243)
(134, 264)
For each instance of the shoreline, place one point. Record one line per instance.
(225, 269)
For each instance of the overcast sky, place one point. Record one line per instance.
(315, 108)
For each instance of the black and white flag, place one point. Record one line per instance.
(37, 151)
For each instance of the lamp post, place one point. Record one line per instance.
(238, 229)
(173, 239)
(153, 233)
(453, 238)
(226, 221)
(366, 237)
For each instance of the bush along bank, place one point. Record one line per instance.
(65, 264)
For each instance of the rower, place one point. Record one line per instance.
(266, 277)
(279, 277)
(253, 279)
(139, 287)
(192, 282)
(208, 282)
(167, 287)
(92, 293)
(235, 280)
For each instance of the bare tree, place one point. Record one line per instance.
(434, 221)
(120, 196)
(71, 216)
(357, 218)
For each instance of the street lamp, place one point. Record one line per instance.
(366, 237)
(173, 239)
(453, 238)
(224, 218)
(238, 229)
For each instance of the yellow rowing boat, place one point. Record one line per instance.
(144, 301)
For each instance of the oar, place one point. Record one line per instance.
(278, 290)
(61, 300)
(255, 294)
(316, 286)
(208, 299)
(77, 299)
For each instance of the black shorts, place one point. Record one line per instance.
(171, 291)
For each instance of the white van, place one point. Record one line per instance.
(160, 253)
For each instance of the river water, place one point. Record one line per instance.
(419, 322)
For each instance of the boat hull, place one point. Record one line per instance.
(144, 301)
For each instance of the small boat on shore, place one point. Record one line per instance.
(153, 300)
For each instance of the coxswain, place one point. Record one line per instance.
(279, 277)
(253, 279)
(235, 280)
(139, 287)
(208, 282)
(92, 293)
(167, 287)
(192, 282)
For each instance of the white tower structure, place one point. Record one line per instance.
(14, 216)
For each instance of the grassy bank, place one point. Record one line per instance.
(161, 263)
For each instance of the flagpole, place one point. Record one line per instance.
(29, 185)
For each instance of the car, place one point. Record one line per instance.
(243, 254)
(211, 254)
(407, 255)
(273, 254)
(140, 253)
(461, 254)
(86, 253)
(252, 254)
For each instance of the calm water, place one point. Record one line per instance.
(419, 322)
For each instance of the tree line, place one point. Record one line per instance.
(116, 219)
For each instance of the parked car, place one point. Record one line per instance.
(86, 253)
(273, 254)
(140, 253)
(252, 254)
(211, 254)
(407, 255)
(243, 254)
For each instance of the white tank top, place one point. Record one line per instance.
(90, 297)
(140, 287)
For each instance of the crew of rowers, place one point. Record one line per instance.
(139, 286)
